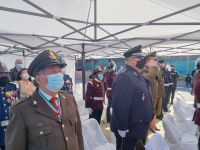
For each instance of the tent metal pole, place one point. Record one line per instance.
(174, 38)
(151, 21)
(83, 70)
(57, 19)
(152, 24)
(95, 19)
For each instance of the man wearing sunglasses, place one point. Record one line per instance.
(132, 104)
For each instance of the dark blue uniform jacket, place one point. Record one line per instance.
(132, 104)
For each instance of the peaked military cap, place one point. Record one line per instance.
(153, 54)
(135, 51)
(3, 67)
(97, 70)
(45, 59)
(161, 61)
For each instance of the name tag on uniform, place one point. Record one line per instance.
(4, 123)
(143, 97)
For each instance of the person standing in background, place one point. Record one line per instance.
(109, 77)
(161, 90)
(174, 76)
(196, 117)
(95, 94)
(24, 84)
(8, 96)
(15, 71)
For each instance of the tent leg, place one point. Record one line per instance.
(83, 70)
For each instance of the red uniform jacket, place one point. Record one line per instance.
(196, 117)
(95, 94)
(109, 78)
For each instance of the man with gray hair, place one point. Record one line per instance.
(14, 71)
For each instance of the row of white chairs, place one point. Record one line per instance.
(180, 131)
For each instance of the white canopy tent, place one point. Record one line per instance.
(99, 28)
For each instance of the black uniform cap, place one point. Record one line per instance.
(45, 59)
(3, 67)
(161, 61)
(135, 51)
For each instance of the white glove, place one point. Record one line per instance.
(90, 110)
(122, 133)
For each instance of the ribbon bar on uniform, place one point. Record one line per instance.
(98, 98)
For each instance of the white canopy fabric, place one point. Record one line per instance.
(99, 27)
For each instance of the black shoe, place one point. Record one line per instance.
(159, 117)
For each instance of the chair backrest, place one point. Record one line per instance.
(92, 134)
(172, 133)
(157, 143)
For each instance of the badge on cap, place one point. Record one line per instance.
(52, 55)
(143, 97)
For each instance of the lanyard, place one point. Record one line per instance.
(57, 111)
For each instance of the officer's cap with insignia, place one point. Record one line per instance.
(43, 60)
(3, 68)
(135, 51)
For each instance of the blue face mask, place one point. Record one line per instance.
(55, 82)
(19, 66)
(100, 76)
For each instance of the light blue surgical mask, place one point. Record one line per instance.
(55, 82)
(100, 76)
(19, 66)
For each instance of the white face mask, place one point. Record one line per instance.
(25, 76)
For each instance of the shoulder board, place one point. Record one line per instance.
(90, 82)
(20, 101)
(16, 84)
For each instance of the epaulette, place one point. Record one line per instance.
(19, 102)
(16, 84)
(90, 82)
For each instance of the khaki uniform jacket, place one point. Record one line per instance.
(161, 87)
(34, 126)
(154, 90)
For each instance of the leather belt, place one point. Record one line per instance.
(4, 123)
(98, 98)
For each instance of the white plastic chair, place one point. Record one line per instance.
(94, 138)
(176, 139)
(157, 143)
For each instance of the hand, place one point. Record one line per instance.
(122, 133)
(90, 110)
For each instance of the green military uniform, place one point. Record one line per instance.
(35, 126)
(153, 86)
(161, 91)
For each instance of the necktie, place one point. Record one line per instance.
(57, 108)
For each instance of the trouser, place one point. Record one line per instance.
(108, 115)
(159, 106)
(127, 143)
(2, 147)
(166, 98)
(96, 114)
(173, 93)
